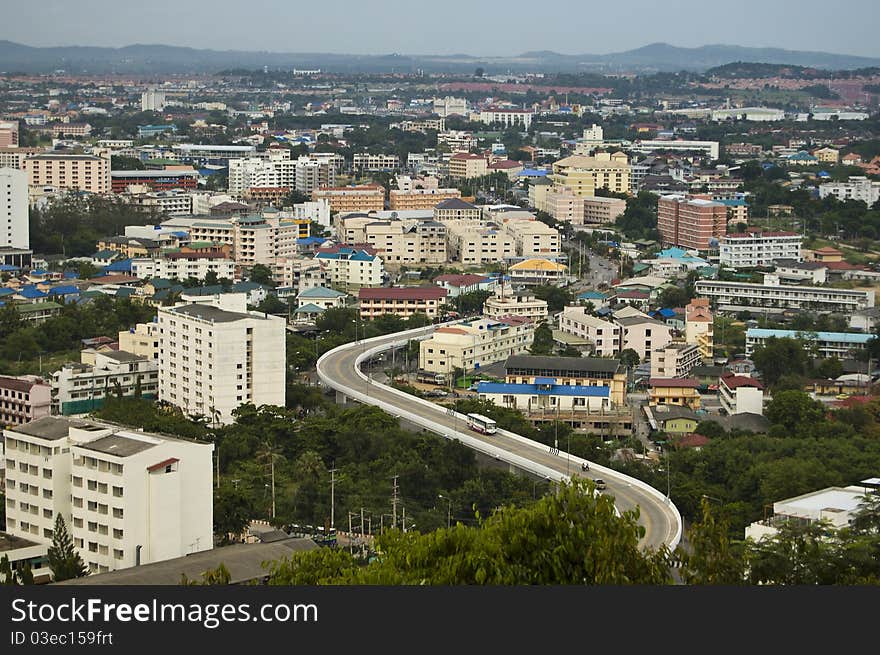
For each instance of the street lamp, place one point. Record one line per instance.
(448, 509)
(663, 445)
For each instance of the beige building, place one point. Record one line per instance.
(457, 210)
(141, 340)
(89, 173)
(583, 175)
(601, 211)
(401, 301)
(12, 157)
(643, 334)
(366, 198)
(464, 165)
(520, 303)
(475, 344)
(397, 241)
(532, 237)
(563, 205)
(827, 155)
(699, 327)
(674, 360)
(420, 198)
(469, 243)
(604, 335)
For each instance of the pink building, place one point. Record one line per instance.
(24, 399)
(8, 133)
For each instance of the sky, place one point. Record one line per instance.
(476, 27)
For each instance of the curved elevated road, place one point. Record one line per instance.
(340, 370)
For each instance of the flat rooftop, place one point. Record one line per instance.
(846, 499)
(50, 428)
(210, 313)
(11, 542)
(117, 445)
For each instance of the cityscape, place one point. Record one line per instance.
(446, 319)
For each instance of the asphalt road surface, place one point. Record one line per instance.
(337, 370)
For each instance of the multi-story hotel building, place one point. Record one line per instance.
(401, 301)
(366, 198)
(771, 294)
(89, 173)
(312, 174)
(756, 248)
(532, 237)
(419, 198)
(457, 210)
(256, 172)
(128, 497)
(473, 344)
(690, 223)
(216, 356)
(508, 117)
(466, 165)
(583, 175)
(184, 265)
(563, 205)
(23, 399)
(14, 217)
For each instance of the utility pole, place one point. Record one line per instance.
(272, 468)
(333, 499)
(362, 522)
(394, 503)
(350, 546)
(403, 518)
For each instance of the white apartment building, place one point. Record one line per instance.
(254, 239)
(709, 148)
(215, 356)
(276, 171)
(317, 211)
(756, 248)
(842, 345)
(771, 294)
(141, 340)
(193, 153)
(351, 268)
(128, 497)
(469, 243)
(643, 334)
(741, 395)
(79, 388)
(182, 266)
(604, 335)
(457, 140)
(313, 174)
(674, 360)
(153, 100)
(14, 222)
(398, 241)
(532, 237)
(175, 201)
(508, 117)
(449, 105)
(520, 303)
(363, 161)
(470, 345)
(545, 397)
(857, 188)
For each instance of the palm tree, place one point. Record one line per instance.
(270, 452)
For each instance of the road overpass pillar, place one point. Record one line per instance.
(341, 398)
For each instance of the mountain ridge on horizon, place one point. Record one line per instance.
(160, 58)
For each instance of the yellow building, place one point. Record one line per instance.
(464, 165)
(537, 272)
(672, 391)
(366, 198)
(583, 175)
(420, 198)
(827, 155)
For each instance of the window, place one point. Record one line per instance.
(117, 512)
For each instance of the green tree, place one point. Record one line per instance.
(557, 298)
(711, 559)
(64, 560)
(9, 575)
(573, 537)
(792, 409)
(630, 358)
(232, 512)
(261, 274)
(780, 356)
(543, 341)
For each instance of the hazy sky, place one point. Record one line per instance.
(477, 27)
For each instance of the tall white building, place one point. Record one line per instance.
(857, 187)
(276, 171)
(14, 230)
(215, 356)
(313, 174)
(127, 497)
(153, 100)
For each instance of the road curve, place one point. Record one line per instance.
(339, 369)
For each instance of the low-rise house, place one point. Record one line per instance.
(401, 301)
(741, 395)
(322, 297)
(519, 303)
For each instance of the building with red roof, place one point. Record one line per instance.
(401, 301)
(740, 394)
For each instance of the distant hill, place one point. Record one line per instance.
(145, 59)
(741, 69)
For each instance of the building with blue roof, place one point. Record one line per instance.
(30, 292)
(121, 266)
(322, 297)
(842, 345)
(546, 397)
